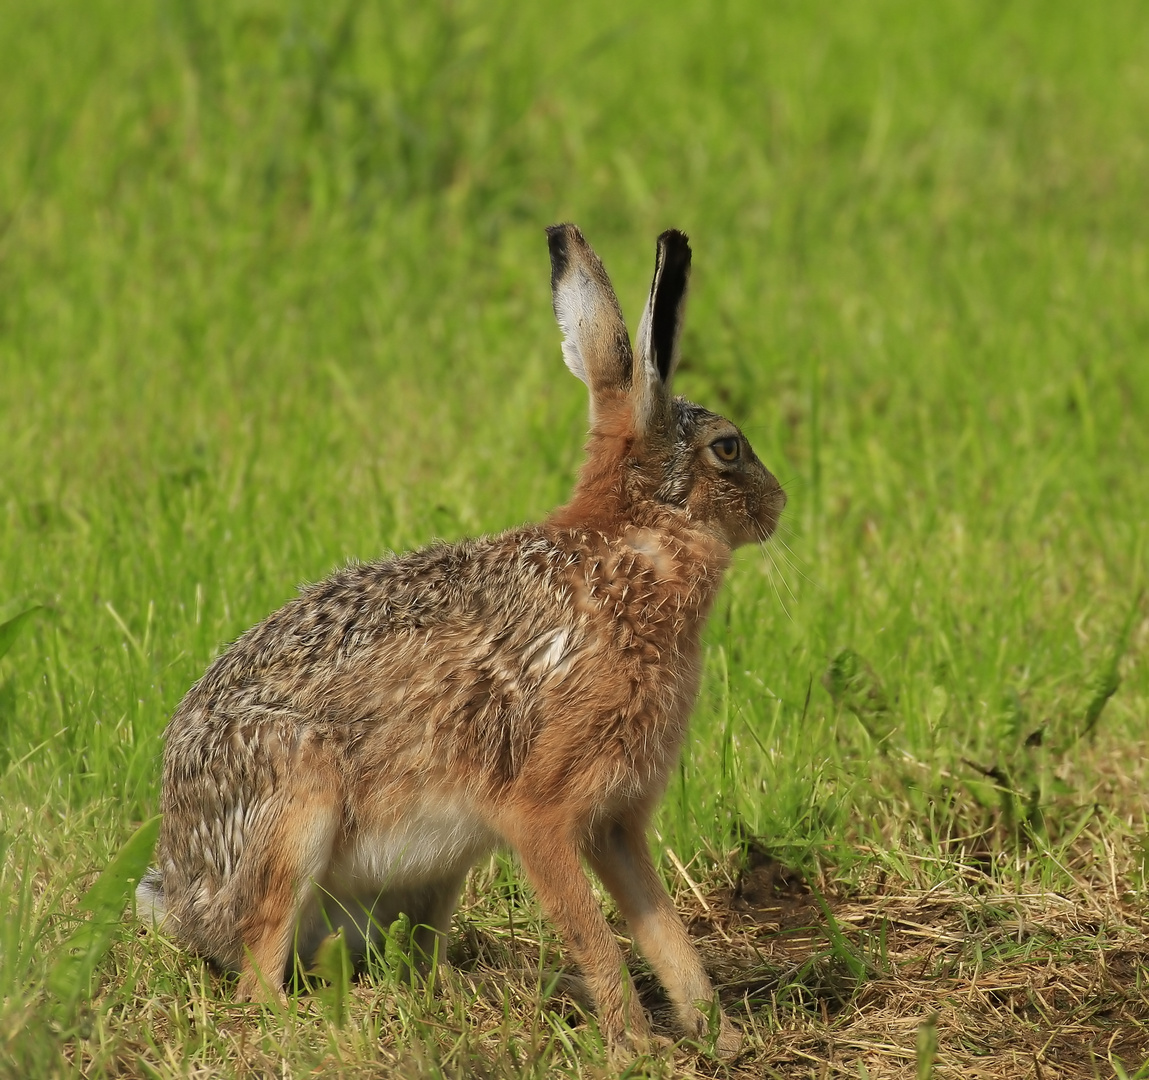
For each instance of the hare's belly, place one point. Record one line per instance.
(428, 842)
(407, 865)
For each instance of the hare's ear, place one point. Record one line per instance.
(596, 346)
(656, 347)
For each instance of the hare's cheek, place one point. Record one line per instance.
(704, 501)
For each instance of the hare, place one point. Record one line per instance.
(353, 755)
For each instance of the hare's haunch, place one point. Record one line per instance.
(354, 754)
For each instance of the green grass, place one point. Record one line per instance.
(274, 294)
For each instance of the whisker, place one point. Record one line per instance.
(785, 581)
(764, 542)
(768, 560)
(791, 565)
(794, 565)
(772, 570)
(789, 526)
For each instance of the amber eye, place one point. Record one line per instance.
(728, 449)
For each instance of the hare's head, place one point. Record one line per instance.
(651, 453)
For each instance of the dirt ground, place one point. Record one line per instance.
(986, 984)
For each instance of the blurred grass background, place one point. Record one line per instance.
(274, 294)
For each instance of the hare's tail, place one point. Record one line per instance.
(150, 904)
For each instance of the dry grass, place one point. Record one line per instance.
(1014, 983)
(993, 957)
(826, 980)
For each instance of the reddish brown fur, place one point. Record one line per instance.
(351, 756)
(599, 498)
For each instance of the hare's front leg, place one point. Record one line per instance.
(550, 857)
(621, 858)
(275, 872)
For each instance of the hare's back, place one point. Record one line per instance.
(376, 640)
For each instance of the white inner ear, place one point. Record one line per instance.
(648, 386)
(573, 359)
(573, 313)
(642, 341)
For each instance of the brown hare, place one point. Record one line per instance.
(353, 755)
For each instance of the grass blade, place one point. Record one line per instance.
(10, 630)
(71, 974)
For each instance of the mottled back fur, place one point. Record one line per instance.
(352, 755)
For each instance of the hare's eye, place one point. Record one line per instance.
(728, 449)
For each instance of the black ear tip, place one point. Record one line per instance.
(558, 239)
(674, 245)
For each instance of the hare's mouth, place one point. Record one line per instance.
(766, 523)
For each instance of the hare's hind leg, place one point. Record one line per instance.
(275, 876)
(434, 919)
(621, 858)
(550, 857)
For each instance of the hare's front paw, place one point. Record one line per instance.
(729, 1041)
(623, 1048)
(629, 1036)
(257, 990)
